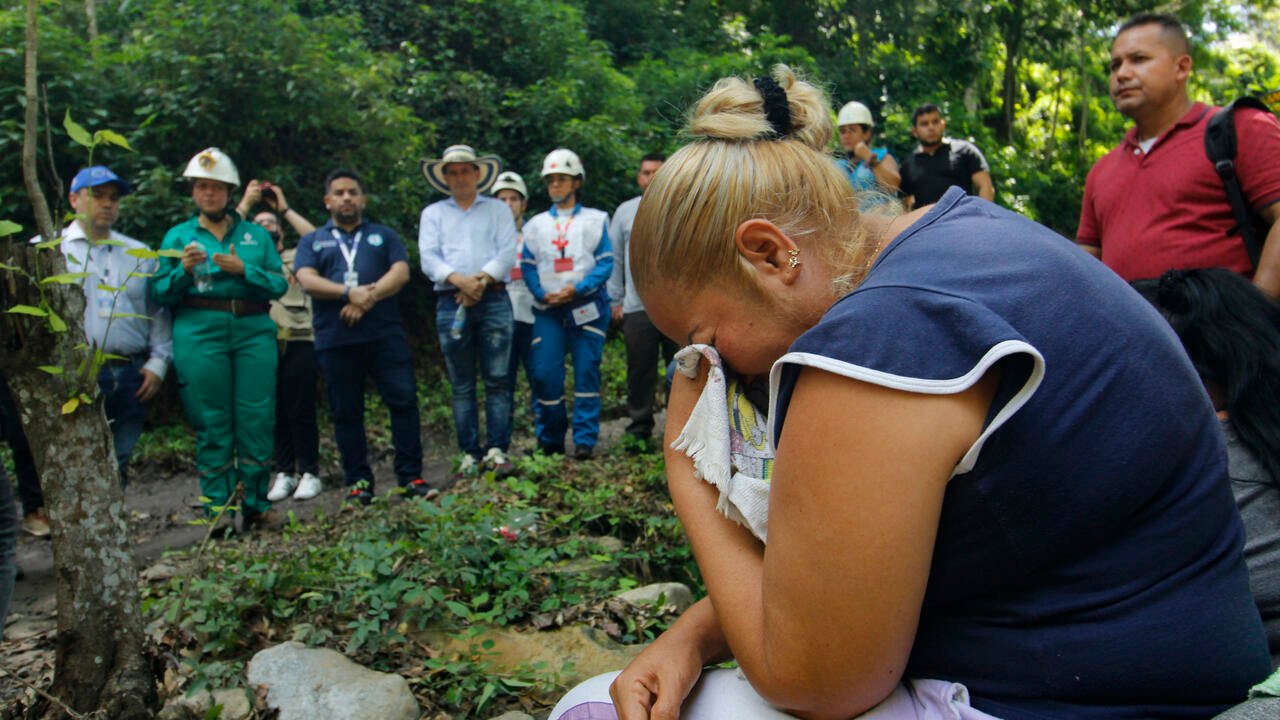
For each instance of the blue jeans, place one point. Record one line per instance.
(554, 331)
(485, 345)
(387, 361)
(119, 386)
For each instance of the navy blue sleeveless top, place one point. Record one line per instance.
(1088, 560)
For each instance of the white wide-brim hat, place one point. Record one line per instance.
(489, 166)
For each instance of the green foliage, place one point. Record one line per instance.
(493, 553)
(291, 90)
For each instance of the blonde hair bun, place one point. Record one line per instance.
(734, 110)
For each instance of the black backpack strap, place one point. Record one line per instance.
(1220, 146)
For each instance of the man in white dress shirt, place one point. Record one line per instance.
(467, 244)
(119, 317)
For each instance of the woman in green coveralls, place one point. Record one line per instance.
(224, 343)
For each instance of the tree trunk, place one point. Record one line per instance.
(1086, 84)
(99, 664)
(1057, 95)
(91, 14)
(1012, 31)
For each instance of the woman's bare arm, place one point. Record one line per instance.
(823, 622)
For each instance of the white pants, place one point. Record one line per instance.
(726, 695)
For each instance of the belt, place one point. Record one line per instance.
(491, 287)
(239, 308)
(112, 362)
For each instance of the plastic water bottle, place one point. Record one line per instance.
(459, 321)
(202, 274)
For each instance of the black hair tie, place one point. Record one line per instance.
(776, 108)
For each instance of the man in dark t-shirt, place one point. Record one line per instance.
(940, 162)
(354, 271)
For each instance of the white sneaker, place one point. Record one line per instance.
(282, 487)
(467, 467)
(497, 461)
(308, 487)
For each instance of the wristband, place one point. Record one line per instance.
(285, 211)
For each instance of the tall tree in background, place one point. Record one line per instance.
(99, 664)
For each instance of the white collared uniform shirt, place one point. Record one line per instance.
(111, 265)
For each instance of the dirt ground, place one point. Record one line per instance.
(161, 506)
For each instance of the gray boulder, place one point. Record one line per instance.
(678, 596)
(318, 684)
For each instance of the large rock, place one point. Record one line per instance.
(591, 651)
(235, 703)
(678, 597)
(317, 684)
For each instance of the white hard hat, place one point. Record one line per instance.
(213, 164)
(854, 113)
(564, 162)
(510, 181)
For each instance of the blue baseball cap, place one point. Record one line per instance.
(98, 175)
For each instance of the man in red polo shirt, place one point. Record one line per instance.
(1155, 202)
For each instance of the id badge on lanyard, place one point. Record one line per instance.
(350, 278)
(562, 263)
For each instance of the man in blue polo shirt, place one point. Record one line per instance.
(354, 269)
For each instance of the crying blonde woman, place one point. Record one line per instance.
(996, 481)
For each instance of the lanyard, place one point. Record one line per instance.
(355, 248)
(561, 242)
(100, 258)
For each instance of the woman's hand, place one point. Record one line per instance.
(656, 683)
(192, 255)
(229, 262)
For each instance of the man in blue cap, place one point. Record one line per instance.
(119, 318)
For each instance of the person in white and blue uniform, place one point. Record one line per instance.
(511, 190)
(566, 261)
(120, 319)
(467, 246)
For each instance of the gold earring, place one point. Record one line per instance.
(793, 258)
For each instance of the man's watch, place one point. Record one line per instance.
(346, 293)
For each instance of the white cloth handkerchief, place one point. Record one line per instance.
(725, 438)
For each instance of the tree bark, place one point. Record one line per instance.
(44, 222)
(99, 665)
(91, 14)
(1086, 85)
(1012, 31)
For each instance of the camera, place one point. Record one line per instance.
(268, 193)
